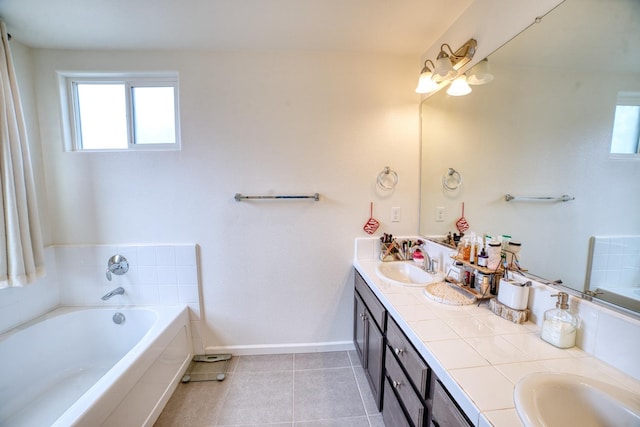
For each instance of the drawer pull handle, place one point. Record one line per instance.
(398, 351)
(397, 384)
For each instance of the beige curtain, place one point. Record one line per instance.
(21, 250)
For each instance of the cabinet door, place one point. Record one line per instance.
(375, 359)
(375, 307)
(360, 329)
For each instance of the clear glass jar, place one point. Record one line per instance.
(559, 326)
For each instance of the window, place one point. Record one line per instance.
(120, 112)
(626, 124)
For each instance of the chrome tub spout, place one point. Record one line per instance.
(117, 291)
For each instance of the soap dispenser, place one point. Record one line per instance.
(559, 326)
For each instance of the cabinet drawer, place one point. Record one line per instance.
(399, 381)
(416, 368)
(392, 413)
(445, 411)
(376, 309)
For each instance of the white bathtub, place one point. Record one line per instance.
(76, 367)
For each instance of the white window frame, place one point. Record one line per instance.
(70, 112)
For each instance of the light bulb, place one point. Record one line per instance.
(480, 73)
(459, 87)
(444, 70)
(425, 82)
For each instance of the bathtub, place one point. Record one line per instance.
(77, 367)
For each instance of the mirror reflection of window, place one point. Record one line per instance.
(626, 124)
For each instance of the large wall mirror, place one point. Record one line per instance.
(543, 127)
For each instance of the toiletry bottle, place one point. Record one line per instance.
(495, 250)
(559, 326)
(483, 258)
(472, 252)
(484, 287)
(513, 248)
(472, 279)
(478, 245)
(466, 250)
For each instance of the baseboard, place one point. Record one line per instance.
(281, 348)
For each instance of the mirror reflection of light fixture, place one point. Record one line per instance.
(480, 74)
(448, 64)
(459, 87)
(426, 83)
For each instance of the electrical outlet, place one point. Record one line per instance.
(439, 214)
(395, 214)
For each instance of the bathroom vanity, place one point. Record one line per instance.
(403, 385)
(432, 364)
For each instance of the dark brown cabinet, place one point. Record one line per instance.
(408, 378)
(368, 335)
(404, 387)
(445, 412)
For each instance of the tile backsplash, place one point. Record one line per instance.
(76, 276)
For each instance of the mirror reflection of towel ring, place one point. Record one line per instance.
(387, 179)
(451, 180)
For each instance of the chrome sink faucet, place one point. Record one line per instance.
(117, 291)
(428, 263)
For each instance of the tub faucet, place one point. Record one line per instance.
(117, 291)
(117, 264)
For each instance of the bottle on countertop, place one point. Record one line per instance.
(513, 249)
(466, 250)
(483, 258)
(495, 252)
(559, 325)
(485, 286)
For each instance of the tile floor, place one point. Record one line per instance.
(306, 389)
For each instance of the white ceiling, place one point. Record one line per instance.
(375, 26)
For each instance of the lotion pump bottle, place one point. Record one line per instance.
(559, 326)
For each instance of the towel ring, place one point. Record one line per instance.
(387, 179)
(452, 180)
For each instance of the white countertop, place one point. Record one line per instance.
(477, 355)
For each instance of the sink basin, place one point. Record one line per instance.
(556, 399)
(405, 273)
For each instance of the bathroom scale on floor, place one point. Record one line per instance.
(207, 367)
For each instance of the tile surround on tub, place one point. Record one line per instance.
(158, 275)
(21, 304)
(75, 275)
(614, 261)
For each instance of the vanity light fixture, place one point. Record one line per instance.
(444, 67)
(426, 83)
(480, 74)
(459, 87)
(448, 64)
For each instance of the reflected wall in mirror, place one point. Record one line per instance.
(544, 127)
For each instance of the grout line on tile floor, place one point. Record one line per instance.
(293, 392)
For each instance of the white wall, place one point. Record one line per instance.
(273, 273)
